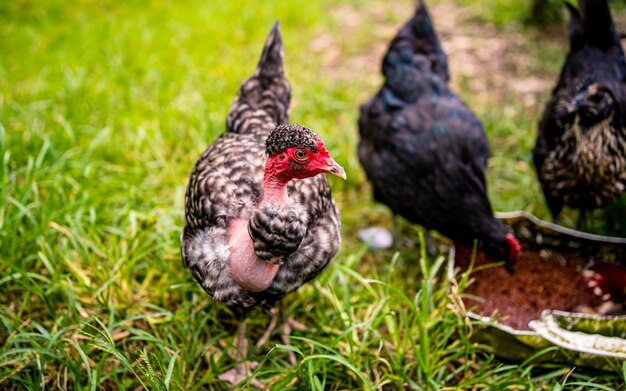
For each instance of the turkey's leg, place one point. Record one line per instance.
(243, 369)
(269, 330)
(284, 330)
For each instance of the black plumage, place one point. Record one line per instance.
(424, 150)
(580, 152)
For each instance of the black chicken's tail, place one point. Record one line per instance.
(591, 24)
(263, 101)
(417, 36)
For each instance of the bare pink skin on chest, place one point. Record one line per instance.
(247, 270)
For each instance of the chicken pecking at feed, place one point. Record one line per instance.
(424, 150)
(580, 153)
(253, 234)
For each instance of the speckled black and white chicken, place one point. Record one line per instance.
(424, 150)
(580, 153)
(260, 221)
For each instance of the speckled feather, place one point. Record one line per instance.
(292, 135)
(227, 183)
(422, 148)
(277, 231)
(584, 165)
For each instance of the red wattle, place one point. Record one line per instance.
(514, 247)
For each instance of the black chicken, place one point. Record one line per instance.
(424, 150)
(580, 154)
(253, 235)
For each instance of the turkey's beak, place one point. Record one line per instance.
(337, 170)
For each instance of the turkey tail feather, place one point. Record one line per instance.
(263, 101)
(271, 62)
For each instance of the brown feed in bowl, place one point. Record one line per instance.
(543, 280)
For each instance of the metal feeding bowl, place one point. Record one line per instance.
(547, 303)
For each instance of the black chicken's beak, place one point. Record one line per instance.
(337, 170)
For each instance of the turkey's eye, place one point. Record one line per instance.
(299, 155)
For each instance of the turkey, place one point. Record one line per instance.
(424, 150)
(580, 152)
(260, 221)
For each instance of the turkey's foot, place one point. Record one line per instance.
(243, 370)
(284, 329)
(240, 373)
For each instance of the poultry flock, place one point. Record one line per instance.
(261, 222)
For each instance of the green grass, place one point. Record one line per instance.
(104, 109)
